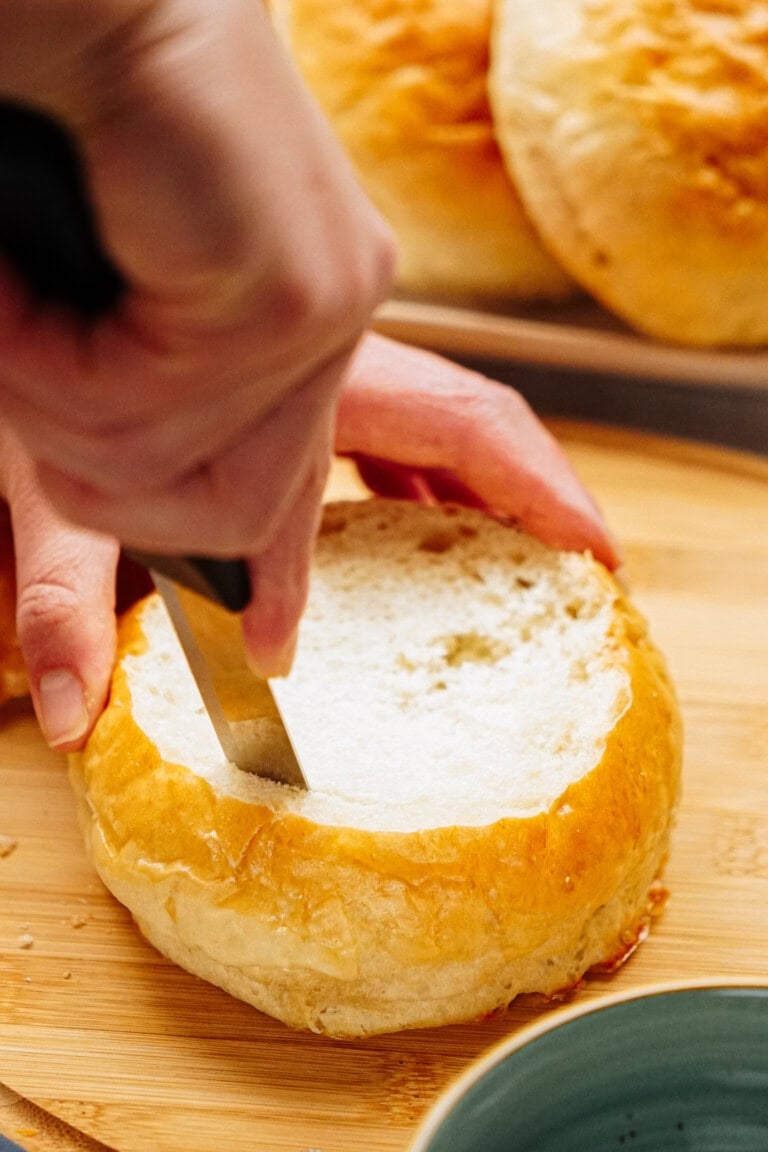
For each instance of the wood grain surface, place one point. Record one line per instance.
(101, 1031)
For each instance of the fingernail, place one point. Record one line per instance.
(63, 714)
(275, 661)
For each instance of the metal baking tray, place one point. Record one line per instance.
(577, 335)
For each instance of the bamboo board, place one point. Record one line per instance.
(102, 1032)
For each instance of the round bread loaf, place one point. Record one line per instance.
(404, 87)
(637, 134)
(493, 750)
(13, 673)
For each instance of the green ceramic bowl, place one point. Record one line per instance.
(671, 1069)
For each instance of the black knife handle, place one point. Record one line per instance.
(49, 236)
(47, 227)
(227, 582)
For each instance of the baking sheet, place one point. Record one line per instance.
(576, 335)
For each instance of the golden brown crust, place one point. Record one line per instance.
(351, 931)
(13, 673)
(404, 87)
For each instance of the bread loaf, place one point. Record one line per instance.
(493, 749)
(404, 87)
(13, 673)
(637, 134)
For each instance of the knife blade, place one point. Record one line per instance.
(200, 596)
(48, 234)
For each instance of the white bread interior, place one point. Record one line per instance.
(637, 135)
(493, 749)
(404, 86)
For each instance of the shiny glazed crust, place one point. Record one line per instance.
(351, 932)
(13, 673)
(404, 87)
(637, 135)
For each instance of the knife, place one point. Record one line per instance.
(48, 234)
(200, 595)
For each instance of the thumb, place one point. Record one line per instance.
(65, 617)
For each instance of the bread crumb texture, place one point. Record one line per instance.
(637, 134)
(493, 750)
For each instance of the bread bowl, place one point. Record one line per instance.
(637, 137)
(494, 768)
(13, 673)
(404, 87)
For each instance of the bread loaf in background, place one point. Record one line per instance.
(403, 85)
(637, 133)
(493, 748)
(634, 132)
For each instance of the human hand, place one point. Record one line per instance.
(424, 428)
(198, 416)
(416, 424)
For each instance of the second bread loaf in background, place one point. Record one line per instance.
(637, 133)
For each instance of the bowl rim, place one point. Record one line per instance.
(480, 1066)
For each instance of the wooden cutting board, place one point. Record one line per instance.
(100, 1030)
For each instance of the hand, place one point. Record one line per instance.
(422, 427)
(199, 416)
(417, 425)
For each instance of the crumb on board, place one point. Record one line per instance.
(67, 975)
(79, 920)
(26, 940)
(7, 846)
